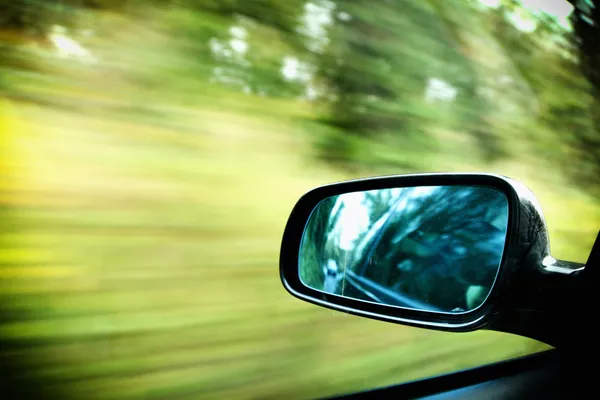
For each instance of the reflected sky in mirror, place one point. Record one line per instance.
(429, 248)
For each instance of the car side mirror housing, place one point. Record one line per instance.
(453, 252)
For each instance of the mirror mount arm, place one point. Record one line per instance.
(547, 306)
(562, 312)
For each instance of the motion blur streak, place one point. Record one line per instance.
(151, 152)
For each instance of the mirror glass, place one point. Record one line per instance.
(431, 248)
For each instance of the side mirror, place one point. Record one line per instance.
(454, 252)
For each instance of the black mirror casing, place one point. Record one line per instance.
(526, 284)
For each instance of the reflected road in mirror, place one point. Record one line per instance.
(433, 248)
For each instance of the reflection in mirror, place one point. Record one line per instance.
(433, 248)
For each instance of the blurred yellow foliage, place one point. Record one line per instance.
(12, 127)
(35, 272)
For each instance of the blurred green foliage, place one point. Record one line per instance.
(151, 152)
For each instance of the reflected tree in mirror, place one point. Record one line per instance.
(435, 248)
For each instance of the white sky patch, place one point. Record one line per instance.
(560, 9)
(232, 53)
(438, 89)
(311, 92)
(491, 3)
(344, 16)
(67, 47)
(236, 45)
(424, 190)
(290, 68)
(295, 70)
(315, 21)
(354, 219)
(239, 46)
(238, 32)
(522, 20)
(557, 8)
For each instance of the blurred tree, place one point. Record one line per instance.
(224, 42)
(586, 25)
(395, 69)
(36, 17)
(368, 75)
(388, 74)
(548, 58)
(22, 15)
(458, 20)
(281, 15)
